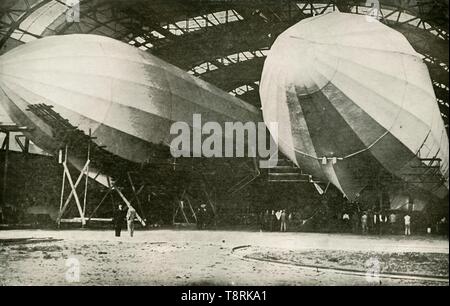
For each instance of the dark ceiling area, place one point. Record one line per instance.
(224, 41)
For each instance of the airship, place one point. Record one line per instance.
(124, 98)
(355, 103)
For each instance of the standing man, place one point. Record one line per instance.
(283, 221)
(346, 222)
(278, 218)
(119, 218)
(131, 214)
(201, 217)
(407, 225)
(364, 223)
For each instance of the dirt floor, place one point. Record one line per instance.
(189, 257)
(408, 263)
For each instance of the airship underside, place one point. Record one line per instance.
(361, 145)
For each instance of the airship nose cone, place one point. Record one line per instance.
(344, 86)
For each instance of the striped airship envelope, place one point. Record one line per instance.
(352, 98)
(126, 97)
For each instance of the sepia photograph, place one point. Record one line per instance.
(224, 144)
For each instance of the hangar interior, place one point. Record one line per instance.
(224, 43)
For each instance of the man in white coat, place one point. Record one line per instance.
(407, 225)
(131, 215)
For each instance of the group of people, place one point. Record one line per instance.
(274, 220)
(382, 223)
(124, 215)
(378, 222)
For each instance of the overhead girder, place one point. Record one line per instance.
(16, 14)
(438, 49)
(433, 11)
(196, 48)
(424, 42)
(159, 12)
(174, 10)
(438, 74)
(441, 93)
(234, 75)
(204, 45)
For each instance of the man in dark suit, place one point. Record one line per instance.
(119, 219)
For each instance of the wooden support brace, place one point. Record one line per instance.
(73, 192)
(66, 173)
(182, 211)
(192, 210)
